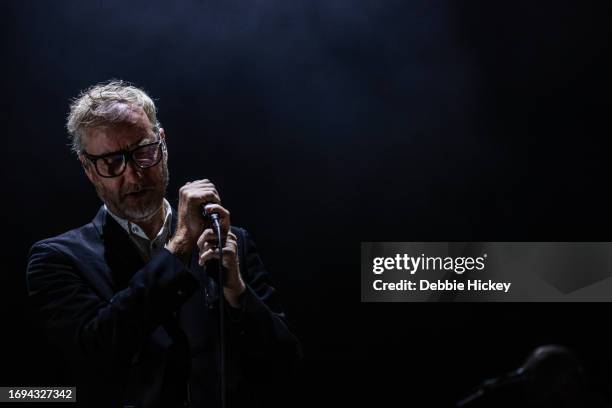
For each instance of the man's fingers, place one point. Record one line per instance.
(216, 208)
(224, 216)
(202, 191)
(204, 184)
(206, 256)
(210, 236)
(210, 241)
(211, 251)
(199, 196)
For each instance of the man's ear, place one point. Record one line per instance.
(162, 136)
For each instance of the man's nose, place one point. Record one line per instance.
(132, 171)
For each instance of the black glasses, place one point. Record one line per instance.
(113, 164)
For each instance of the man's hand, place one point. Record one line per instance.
(194, 230)
(191, 223)
(208, 244)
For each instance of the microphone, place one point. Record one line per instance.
(209, 216)
(216, 224)
(214, 219)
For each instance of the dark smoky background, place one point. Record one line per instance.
(325, 123)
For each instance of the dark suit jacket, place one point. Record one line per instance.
(137, 333)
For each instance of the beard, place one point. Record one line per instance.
(136, 207)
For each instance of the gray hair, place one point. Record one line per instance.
(103, 104)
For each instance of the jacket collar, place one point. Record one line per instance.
(121, 257)
(102, 219)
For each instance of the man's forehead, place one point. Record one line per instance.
(117, 136)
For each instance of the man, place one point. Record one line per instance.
(132, 297)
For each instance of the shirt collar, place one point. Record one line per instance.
(133, 229)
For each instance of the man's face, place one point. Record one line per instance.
(137, 194)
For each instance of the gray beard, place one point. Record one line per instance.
(142, 212)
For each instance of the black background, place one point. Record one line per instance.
(325, 123)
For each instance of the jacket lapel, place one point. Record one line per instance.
(120, 258)
(117, 259)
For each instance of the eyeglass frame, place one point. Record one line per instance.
(128, 155)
